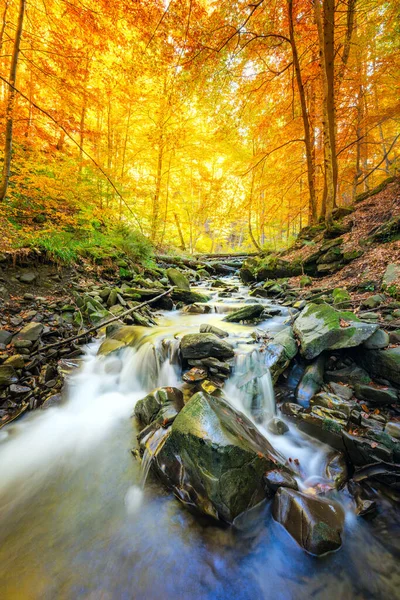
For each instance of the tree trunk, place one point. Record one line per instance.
(178, 225)
(11, 103)
(325, 25)
(156, 197)
(306, 120)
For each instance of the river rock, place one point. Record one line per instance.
(203, 345)
(206, 328)
(214, 459)
(336, 469)
(392, 428)
(5, 336)
(311, 382)
(315, 524)
(195, 374)
(163, 402)
(320, 327)
(275, 479)
(379, 396)
(343, 391)
(197, 309)
(361, 450)
(280, 351)
(377, 341)
(350, 375)
(391, 276)
(28, 277)
(17, 361)
(7, 375)
(382, 364)
(31, 332)
(188, 297)
(247, 313)
(178, 279)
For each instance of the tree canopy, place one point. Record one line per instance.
(205, 125)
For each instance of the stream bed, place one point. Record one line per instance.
(75, 522)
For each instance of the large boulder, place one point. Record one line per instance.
(214, 459)
(383, 364)
(178, 279)
(315, 524)
(247, 313)
(203, 345)
(320, 327)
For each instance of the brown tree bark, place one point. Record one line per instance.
(306, 121)
(11, 103)
(324, 18)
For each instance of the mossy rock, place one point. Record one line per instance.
(341, 297)
(188, 297)
(320, 327)
(214, 459)
(250, 312)
(305, 281)
(336, 229)
(388, 232)
(376, 190)
(178, 279)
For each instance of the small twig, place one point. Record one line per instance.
(96, 327)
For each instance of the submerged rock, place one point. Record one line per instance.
(203, 345)
(320, 327)
(275, 479)
(214, 459)
(197, 309)
(247, 313)
(315, 524)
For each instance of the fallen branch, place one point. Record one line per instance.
(103, 324)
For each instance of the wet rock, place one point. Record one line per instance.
(277, 426)
(5, 336)
(165, 402)
(178, 279)
(333, 403)
(311, 382)
(195, 374)
(386, 474)
(28, 277)
(205, 328)
(379, 396)
(383, 363)
(362, 451)
(377, 341)
(392, 428)
(336, 469)
(7, 375)
(211, 362)
(275, 479)
(197, 309)
(246, 275)
(391, 278)
(214, 459)
(315, 524)
(30, 332)
(280, 351)
(364, 506)
(203, 345)
(23, 344)
(250, 312)
(188, 297)
(320, 327)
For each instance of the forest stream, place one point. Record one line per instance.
(80, 520)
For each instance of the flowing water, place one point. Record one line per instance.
(76, 521)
